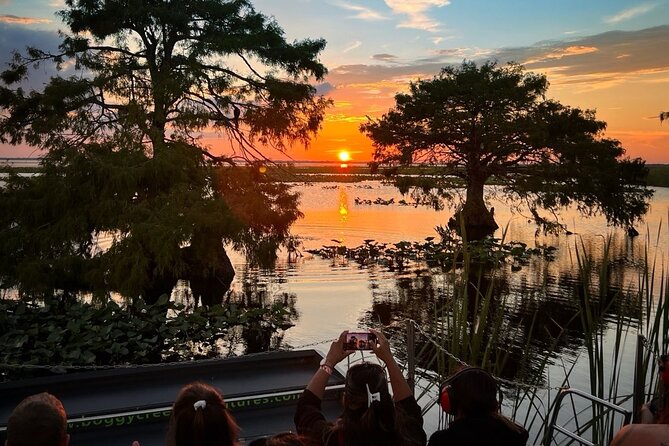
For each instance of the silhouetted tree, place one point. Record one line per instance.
(124, 156)
(481, 123)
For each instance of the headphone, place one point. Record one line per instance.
(448, 398)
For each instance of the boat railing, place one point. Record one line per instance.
(554, 426)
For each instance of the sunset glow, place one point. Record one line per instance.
(609, 57)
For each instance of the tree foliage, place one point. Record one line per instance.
(490, 122)
(123, 127)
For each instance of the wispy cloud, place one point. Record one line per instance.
(16, 20)
(416, 11)
(384, 57)
(362, 13)
(630, 13)
(352, 46)
(57, 3)
(559, 53)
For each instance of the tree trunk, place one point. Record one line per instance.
(474, 217)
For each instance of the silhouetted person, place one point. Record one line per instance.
(470, 395)
(200, 418)
(282, 439)
(38, 420)
(370, 416)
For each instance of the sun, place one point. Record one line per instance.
(344, 156)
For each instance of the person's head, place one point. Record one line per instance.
(369, 412)
(38, 420)
(282, 439)
(200, 418)
(469, 392)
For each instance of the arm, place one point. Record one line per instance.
(401, 389)
(334, 356)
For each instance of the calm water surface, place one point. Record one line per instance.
(334, 295)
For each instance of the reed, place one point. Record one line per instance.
(469, 325)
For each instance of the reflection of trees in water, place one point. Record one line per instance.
(268, 313)
(531, 314)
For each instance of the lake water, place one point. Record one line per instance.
(332, 295)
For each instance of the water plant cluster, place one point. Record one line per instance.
(77, 333)
(447, 252)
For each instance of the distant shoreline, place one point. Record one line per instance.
(325, 171)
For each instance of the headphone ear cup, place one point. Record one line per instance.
(447, 400)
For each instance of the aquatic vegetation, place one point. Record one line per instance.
(54, 336)
(446, 253)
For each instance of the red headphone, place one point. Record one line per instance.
(448, 398)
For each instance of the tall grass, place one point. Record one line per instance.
(470, 325)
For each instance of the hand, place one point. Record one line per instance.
(382, 347)
(337, 353)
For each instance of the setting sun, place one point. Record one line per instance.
(344, 156)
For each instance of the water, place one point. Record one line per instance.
(330, 296)
(333, 296)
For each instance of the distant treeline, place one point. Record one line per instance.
(658, 174)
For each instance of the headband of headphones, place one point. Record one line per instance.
(448, 398)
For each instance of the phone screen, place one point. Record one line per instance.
(359, 341)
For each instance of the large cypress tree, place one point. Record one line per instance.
(123, 151)
(493, 123)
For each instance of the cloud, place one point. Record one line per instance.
(416, 10)
(591, 62)
(362, 13)
(16, 20)
(17, 38)
(384, 57)
(630, 13)
(352, 46)
(559, 53)
(324, 88)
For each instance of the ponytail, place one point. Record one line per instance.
(200, 418)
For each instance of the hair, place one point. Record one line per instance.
(363, 425)
(476, 392)
(212, 425)
(282, 439)
(38, 420)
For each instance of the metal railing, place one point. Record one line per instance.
(553, 426)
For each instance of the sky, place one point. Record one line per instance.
(608, 55)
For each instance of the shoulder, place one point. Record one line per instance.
(439, 438)
(636, 434)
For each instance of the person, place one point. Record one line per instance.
(352, 343)
(470, 396)
(654, 427)
(200, 418)
(282, 439)
(657, 410)
(370, 415)
(642, 435)
(38, 420)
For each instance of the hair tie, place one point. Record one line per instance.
(201, 404)
(371, 397)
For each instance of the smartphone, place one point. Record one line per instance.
(359, 340)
